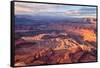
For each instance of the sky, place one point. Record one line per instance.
(22, 8)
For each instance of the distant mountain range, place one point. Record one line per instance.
(43, 19)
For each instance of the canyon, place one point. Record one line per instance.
(56, 43)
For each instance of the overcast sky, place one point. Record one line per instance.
(53, 9)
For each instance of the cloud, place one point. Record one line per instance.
(53, 9)
(82, 12)
(35, 8)
(72, 12)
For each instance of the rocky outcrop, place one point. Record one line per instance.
(58, 49)
(38, 56)
(90, 20)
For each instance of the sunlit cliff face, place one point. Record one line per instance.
(88, 35)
